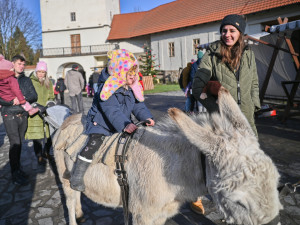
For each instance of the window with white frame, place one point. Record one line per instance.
(196, 42)
(73, 16)
(171, 49)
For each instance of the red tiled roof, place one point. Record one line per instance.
(184, 13)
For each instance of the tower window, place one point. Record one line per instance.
(73, 16)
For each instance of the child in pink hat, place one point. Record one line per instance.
(120, 95)
(9, 86)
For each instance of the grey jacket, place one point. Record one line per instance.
(74, 82)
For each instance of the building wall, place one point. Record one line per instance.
(135, 45)
(93, 20)
(183, 44)
(55, 14)
(96, 36)
(59, 66)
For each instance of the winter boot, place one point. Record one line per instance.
(197, 207)
(76, 181)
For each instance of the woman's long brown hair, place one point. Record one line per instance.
(232, 55)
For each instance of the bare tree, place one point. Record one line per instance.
(13, 15)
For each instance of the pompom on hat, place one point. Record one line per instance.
(120, 62)
(235, 20)
(41, 66)
(5, 64)
(6, 68)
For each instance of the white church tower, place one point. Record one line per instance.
(75, 31)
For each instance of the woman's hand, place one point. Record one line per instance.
(151, 124)
(16, 101)
(130, 128)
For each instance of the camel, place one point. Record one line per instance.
(165, 171)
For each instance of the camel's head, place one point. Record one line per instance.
(240, 177)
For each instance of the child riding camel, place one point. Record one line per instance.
(120, 95)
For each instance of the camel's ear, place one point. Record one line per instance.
(200, 136)
(229, 109)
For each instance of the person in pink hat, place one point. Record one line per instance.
(37, 130)
(9, 86)
(119, 95)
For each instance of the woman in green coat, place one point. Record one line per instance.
(35, 130)
(232, 63)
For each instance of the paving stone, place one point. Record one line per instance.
(23, 196)
(297, 197)
(15, 210)
(44, 193)
(46, 221)
(35, 203)
(43, 212)
(288, 199)
(293, 210)
(5, 199)
(103, 212)
(55, 200)
(104, 221)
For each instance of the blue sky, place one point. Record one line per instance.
(127, 6)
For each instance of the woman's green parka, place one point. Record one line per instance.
(248, 79)
(35, 128)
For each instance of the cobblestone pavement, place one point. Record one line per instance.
(42, 201)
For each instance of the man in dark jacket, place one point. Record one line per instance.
(95, 76)
(15, 120)
(61, 87)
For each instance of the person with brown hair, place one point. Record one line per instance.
(228, 62)
(15, 120)
(231, 62)
(36, 129)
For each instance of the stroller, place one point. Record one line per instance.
(53, 115)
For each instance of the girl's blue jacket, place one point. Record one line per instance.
(114, 114)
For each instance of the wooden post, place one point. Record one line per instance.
(270, 69)
(272, 62)
(295, 86)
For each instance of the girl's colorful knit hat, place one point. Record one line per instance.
(120, 62)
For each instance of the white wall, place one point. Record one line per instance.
(87, 37)
(134, 45)
(55, 14)
(183, 44)
(59, 66)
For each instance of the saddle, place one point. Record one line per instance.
(108, 149)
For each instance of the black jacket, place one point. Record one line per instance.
(60, 85)
(27, 90)
(95, 77)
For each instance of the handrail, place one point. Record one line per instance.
(78, 50)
